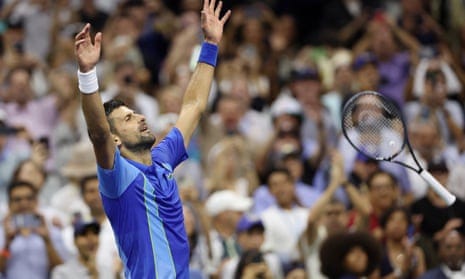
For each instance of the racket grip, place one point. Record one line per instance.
(437, 187)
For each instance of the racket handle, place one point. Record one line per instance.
(437, 187)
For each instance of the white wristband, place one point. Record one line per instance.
(88, 82)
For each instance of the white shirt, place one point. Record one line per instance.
(107, 251)
(453, 274)
(283, 229)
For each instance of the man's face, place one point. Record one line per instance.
(307, 91)
(22, 200)
(335, 217)
(282, 188)
(91, 195)
(131, 129)
(87, 244)
(19, 89)
(452, 250)
(230, 112)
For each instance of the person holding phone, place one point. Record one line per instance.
(29, 246)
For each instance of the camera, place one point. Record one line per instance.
(26, 221)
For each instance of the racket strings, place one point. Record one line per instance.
(375, 127)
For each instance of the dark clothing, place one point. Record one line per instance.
(434, 274)
(434, 218)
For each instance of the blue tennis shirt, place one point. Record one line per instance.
(145, 211)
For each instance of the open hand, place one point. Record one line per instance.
(87, 53)
(211, 23)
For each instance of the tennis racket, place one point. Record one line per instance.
(374, 126)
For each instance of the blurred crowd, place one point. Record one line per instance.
(271, 188)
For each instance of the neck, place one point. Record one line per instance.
(224, 231)
(99, 216)
(144, 156)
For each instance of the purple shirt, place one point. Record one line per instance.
(39, 116)
(394, 75)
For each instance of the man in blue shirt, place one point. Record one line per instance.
(138, 191)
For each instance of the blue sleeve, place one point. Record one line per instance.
(171, 149)
(113, 182)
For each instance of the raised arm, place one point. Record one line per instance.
(198, 89)
(87, 55)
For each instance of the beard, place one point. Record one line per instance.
(145, 143)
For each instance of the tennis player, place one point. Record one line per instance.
(136, 181)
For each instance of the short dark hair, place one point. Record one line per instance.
(18, 184)
(84, 180)
(109, 107)
(381, 172)
(278, 170)
(335, 247)
(385, 217)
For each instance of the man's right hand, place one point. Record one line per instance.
(87, 53)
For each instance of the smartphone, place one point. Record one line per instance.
(28, 221)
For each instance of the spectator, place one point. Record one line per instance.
(230, 167)
(31, 246)
(328, 216)
(433, 104)
(252, 265)
(105, 260)
(285, 221)
(349, 255)
(383, 193)
(81, 164)
(84, 265)
(250, 236)
(305, 194)
(434, 219)
(452, 257)
(401, 258)
(225, 209)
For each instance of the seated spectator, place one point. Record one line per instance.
(84, 265)
(31, 246)
(452, 258)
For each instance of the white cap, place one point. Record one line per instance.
(285, 105)
(224, 200)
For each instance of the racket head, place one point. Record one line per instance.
(374, 126)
